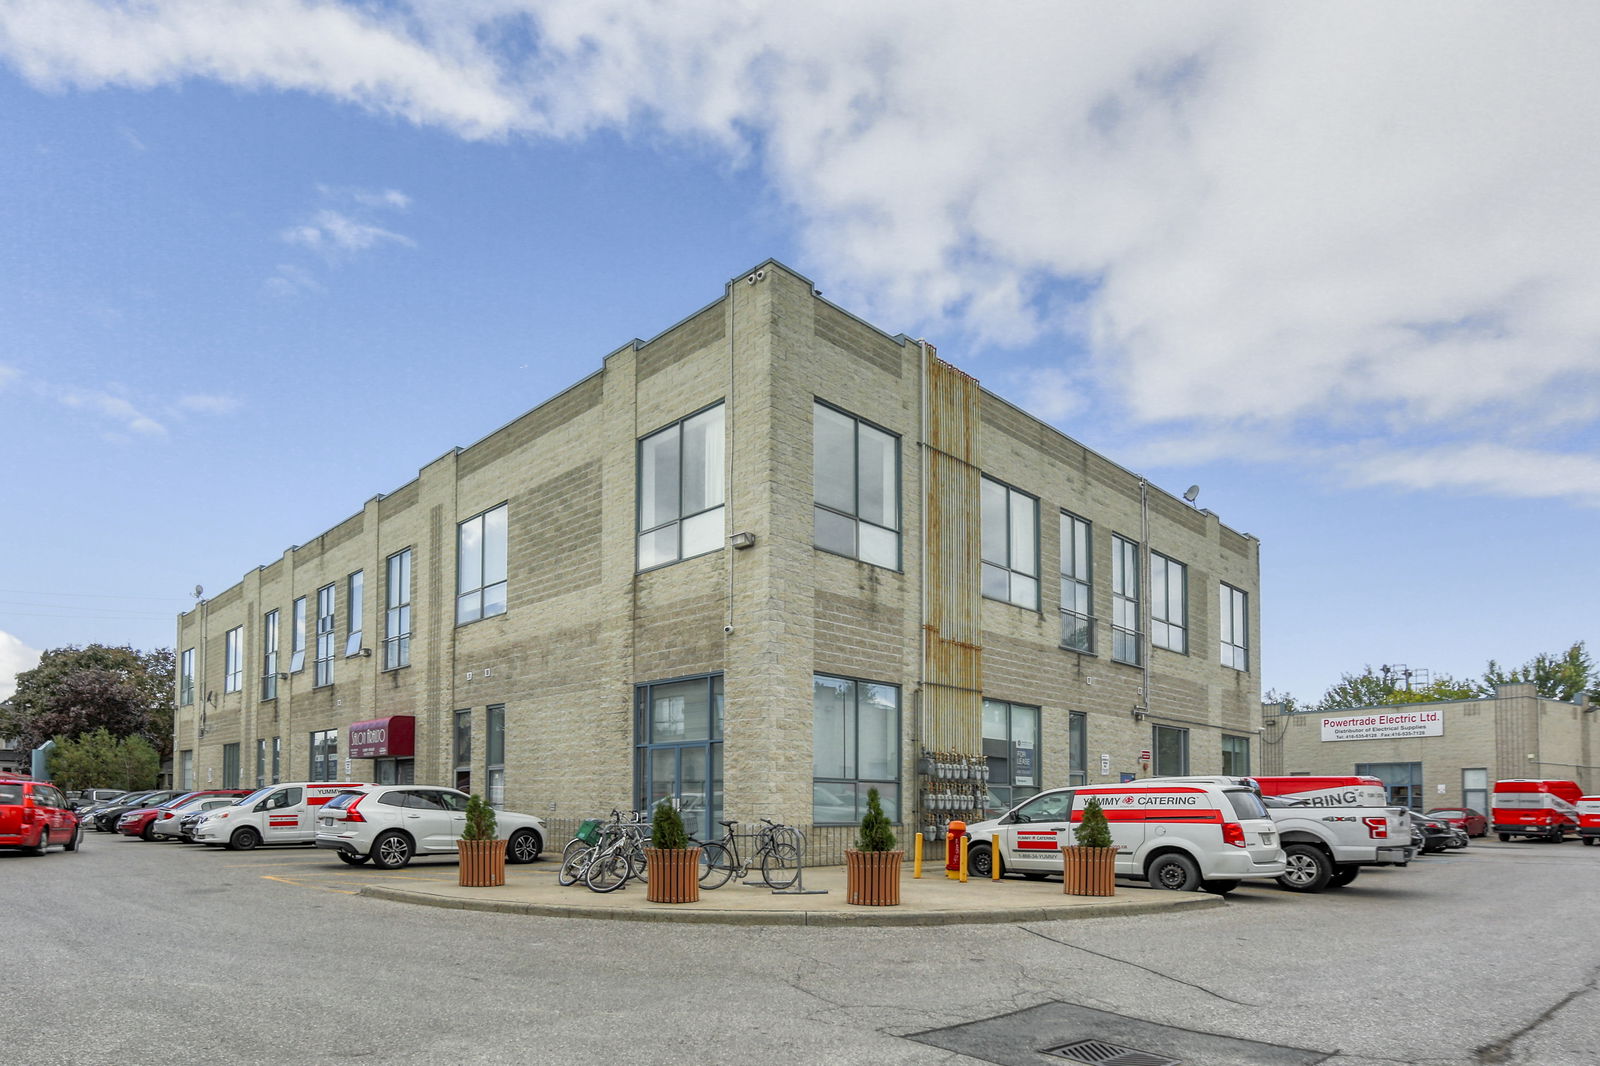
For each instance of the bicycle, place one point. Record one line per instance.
(778, 850)
(606, 855)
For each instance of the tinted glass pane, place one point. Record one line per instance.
(1024, 534)
(879, 731)
(703, 533)
(995, 543)
(833, 727)
(658, 547)
(703, 461)
(1024, 591)
(833, 459)
(469, 607)
(658, 479)
(833, 803)
(996, 582)
(680, 711)
(877, 493)
(834, 532)
(881, 547)
(494, 600)
(494, 545)
(469, 555)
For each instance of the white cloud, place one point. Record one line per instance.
(15, 658)
(289, 280)
(118, 410)
(1313, 223)
(1517, 473)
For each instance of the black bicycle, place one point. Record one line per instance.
(778, 852)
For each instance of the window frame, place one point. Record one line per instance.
(1158, 769)
(186, 678)
(324, 755)
(354, 611)
(233, 660)
(297, 635)
(680, 518)
(484, 607)
(1234, 614)
(327, 623)
(1231, 759)
(230, 765)
(853, 516)
(461, 748)
(1164, 631)
(1079, 575)
(1125, 551)
(893, 804)
(494, 755)
(397, 612)
(1004, 791)
(1008, 568)
(269, 655)
(1077, 748)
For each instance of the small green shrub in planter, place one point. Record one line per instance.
(877, 832)
(666, 828)
(480, 820)
(1094, 831)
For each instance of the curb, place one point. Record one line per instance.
(868, 916)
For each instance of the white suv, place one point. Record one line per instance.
(390, 824)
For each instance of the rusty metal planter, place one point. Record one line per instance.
(483, 863)
(674, 875)
(1088, 871)
(872, 878)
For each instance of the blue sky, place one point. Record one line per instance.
(1335, 264)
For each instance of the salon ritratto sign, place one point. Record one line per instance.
(1383, 725)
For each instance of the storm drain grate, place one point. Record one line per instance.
(1100, 1053)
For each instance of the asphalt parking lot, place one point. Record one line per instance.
(190, 955)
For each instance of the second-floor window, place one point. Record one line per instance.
(353, 612)
(325, 627)
(481, 566)
(397, 613)
(1169, 611)
(681, 490)
(233, 660)
(297, 636)
(1077, 611)
(856, 484)
(186, 679)
(1010, 545)
(269, 656)
(1125, 634)
(1235, 643)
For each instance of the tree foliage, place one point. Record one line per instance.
(101, 760)
(877, 833)
(480, 820)
(1094, 831)
(75, 691)
(1557, 677)
(666, 828)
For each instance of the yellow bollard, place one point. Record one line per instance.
(994, 857)
(964, 842)
(916, 862)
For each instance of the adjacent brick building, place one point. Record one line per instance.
(763, 562)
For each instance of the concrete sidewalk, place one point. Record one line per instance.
(931, 900)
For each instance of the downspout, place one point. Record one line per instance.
(1144, 595)
(727, 473)
(922, 545)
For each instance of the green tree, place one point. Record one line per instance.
(1366, 689)
(666, 828)
(1443, 687)
(877, 833)
(1555, 677)
(1094, 831)
(100, 760)
(76, 690)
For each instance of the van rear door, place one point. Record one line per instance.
(1260, 832)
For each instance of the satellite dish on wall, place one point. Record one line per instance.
(198, 592)
(1193, 491)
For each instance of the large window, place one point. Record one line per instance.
(1235, 643)
(1125, 601)
(269, 655)
(324, 755)
(856, 748)
(1010, 545)
(481, 566)
(1402, 780)
(462, 750)
(233, 660)
(354, 588)
(679, 749)
(1235, 756)
(1078, 748)
(1011, 747)
(323, 669)
(230, 765)
(1171, 751)
(1475, 789)
(494, 749)
(297, 636)
(186, 679)
(855, 477)
(1169, 611)
(1077, 601)
(681, 490)
(261, 763)
(186, 769)
(397, 616)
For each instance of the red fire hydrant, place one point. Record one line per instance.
(952, 846)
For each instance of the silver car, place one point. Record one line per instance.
(392, 824)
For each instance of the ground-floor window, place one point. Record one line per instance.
(494, 746)
(186, 769)
(1011, 748)
(230, 766)
(324, 755)
(1235, 756)
(463, 751)
(855, 748)
(277, 759)
(1171, 746)
(394, 771)
(1402, 780)
(1475, 789)
(678, 750)
(261, 763)
(1077, 748)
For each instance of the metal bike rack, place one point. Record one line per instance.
(798, 886)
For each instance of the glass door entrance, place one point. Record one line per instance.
(680, 751)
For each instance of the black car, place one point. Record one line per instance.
(1437, 836)
(105, 819)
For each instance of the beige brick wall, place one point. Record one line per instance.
(584, 628)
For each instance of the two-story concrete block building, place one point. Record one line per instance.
(762, 563)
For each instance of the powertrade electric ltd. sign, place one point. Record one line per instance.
(1383, 725)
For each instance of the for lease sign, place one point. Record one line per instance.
(1383, 725)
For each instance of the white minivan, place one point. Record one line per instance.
(1181, 836)
(277, 814)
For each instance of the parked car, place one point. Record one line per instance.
(144, 822)
(1473, 823)
(91, 797)
(35, 815)
(169, 816)
(1438, 836)
(105, 819)
(390, 824)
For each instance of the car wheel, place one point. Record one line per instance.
(980, 861)
(1308, 868)
(1219, 888)
(349, 859)
(44, 841)
(391, 851)
(244, 840)
(1176, 873)
(77, 838)
(1505, 838)
(1343, 875)
(524, 846)
(148, 832)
